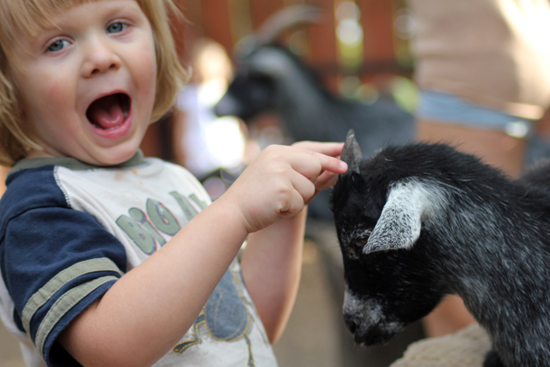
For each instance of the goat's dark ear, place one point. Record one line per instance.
(401, 219)
(351, 153)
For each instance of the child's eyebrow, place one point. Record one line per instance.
(39, 25)
(35, 30)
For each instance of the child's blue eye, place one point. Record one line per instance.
(116, 27)
(58, 45)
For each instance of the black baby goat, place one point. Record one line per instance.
(421, 221)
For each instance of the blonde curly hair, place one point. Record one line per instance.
(28, 17)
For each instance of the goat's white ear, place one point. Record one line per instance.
(401, 219)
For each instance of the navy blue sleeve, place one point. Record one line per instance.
(55, 263)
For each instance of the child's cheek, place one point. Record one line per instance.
(56, 98)
(148, 74)
(54, 91)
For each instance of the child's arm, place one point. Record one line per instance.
(271, 267)
(150, 308)
(271, 263)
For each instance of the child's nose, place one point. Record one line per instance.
(100, 58)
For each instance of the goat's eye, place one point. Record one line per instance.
(361, 243)
(362, 239)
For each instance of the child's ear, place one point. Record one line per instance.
(401, 219)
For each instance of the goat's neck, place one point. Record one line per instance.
(497, 261)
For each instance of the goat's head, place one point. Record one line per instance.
(379, 212)
(259, 83)
(251, 93)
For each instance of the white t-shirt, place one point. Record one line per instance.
(68, 233)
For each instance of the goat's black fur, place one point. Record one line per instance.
(421, 221)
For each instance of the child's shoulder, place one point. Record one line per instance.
(50, 182)
(29, 189)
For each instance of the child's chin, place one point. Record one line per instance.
(111, 158)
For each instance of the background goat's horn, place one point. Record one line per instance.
(285, 19)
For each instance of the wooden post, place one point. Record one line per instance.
(378, 40)
(217, 24)
(377, 23)
(322, 40)
(262, 9)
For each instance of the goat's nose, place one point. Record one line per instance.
(350, 323)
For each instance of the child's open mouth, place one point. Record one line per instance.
(109, 112)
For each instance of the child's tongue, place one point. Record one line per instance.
(106, 112)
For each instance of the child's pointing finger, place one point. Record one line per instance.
(331, 164)
(326, 153)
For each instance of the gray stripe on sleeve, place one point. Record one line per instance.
(63, 305)
(45, 293)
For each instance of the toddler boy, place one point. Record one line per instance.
(111, 259)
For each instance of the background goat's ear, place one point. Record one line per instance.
(351, 153)
(401, 220)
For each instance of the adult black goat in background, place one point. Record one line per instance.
(270, 78)
(420, 221)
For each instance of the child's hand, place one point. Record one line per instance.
(282, 180)
(327, 178)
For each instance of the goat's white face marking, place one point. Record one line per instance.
(371, 323)
(278, 65)
(271, 61)
(364, 309)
